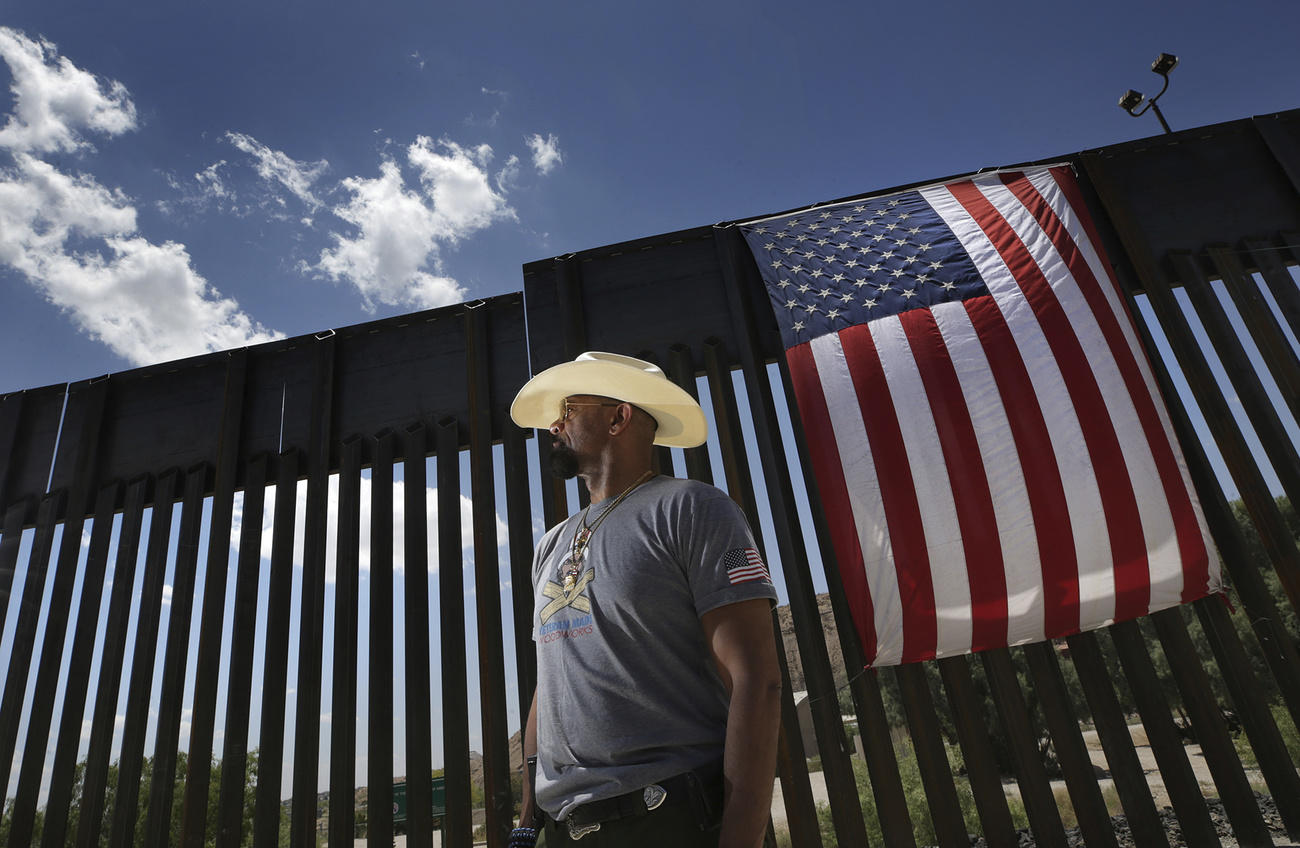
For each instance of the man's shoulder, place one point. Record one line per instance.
(548, 540)
(692, 500)
(677, 487)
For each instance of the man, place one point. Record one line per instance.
(655, 717)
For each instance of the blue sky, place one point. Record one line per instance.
(186, 177)
(180, 178)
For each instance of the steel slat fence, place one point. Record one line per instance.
(173, 448)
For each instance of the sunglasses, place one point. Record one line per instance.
(567, 406)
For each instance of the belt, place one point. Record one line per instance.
(703, 787)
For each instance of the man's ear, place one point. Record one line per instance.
(622, 418)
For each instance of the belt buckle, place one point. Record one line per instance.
(577, 831)
(653, 796)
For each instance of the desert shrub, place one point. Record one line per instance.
(913, 790)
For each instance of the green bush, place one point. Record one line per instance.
(1285, 727)
(913, 790)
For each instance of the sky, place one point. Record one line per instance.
(181, 178)
(178, 178)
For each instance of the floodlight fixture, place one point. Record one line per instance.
(1131, 100)
(1163, 64)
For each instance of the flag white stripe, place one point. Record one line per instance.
(942, 533)
(864, 496)
(1060, 205)
(1082, 494)
(1048, 188)
(1154, 511)
(1002, 469)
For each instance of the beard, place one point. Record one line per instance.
(564, 462)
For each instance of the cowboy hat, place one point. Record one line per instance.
(625, 378)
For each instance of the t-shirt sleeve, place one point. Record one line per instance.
(722, 562)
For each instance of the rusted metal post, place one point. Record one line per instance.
(415, 570)
(347, 591)
(95, 785)
(234, 757)
(275, 673)
(158, 819)
(306, 744)
(456, 824)
(130, 761)
(379, 747)
(194, 815)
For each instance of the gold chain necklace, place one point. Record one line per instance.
(582, 534)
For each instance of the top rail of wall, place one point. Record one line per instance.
(387, 373)
(1220, 183)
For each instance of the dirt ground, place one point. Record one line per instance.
(1145, 756)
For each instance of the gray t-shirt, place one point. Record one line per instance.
(627, 692)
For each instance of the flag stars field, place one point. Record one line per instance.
(891, 272)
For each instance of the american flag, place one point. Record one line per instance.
(994, 458)
(744, 565)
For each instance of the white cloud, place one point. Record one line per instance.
(55, 100)
(210, 182)
(455, 178)
(41, 208)
(144, 300)
(275, 166)
(546, 152)
(502, 97)
(508, 175)
(397, 239)
(395, 256)
(207, 187)
(76, 241)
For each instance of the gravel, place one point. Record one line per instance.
(1074, 836)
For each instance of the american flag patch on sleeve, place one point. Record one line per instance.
(744, 565)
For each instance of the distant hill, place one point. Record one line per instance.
(516, 759)
(786, 621)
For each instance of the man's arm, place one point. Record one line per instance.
(528, 807)
(740, 638)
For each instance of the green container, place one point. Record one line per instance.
(399, 800)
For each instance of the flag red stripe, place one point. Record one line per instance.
(1119, 504)
(902, 511)
(1132, 578)
(1043, 484)
(966, 477)
(820, 438)
(1191, 544)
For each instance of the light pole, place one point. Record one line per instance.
(1131, 100)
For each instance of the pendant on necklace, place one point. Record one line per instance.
(569, 570)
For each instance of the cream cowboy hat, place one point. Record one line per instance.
(635, 381)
